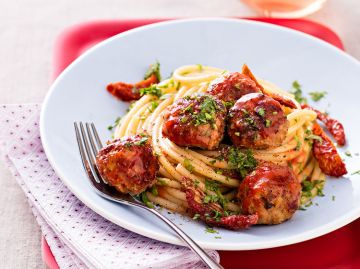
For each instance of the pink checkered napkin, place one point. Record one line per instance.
(78, 237)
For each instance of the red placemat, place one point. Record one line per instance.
(337, 250)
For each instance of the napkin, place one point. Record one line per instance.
(77, 236)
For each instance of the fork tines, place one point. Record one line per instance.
(89, 145)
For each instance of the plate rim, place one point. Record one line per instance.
(167, 237)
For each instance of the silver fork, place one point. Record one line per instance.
(89, 144)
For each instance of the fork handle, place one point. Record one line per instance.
(191, 243)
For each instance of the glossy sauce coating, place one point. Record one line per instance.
(257, 121)
(230, 87)
(196, 121)
(282, 99)
(271, 191)
(206, 213)
(128, 164)
(130, 92)
(326, 154)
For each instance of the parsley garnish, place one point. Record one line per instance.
(152, 90)
(310, 136)
(348, 153)
(211, 230)
(317, 96)
(210, 199)
(217, 197)
(196, 216)
(116, 122)
(333, 197)
(187, 164)
(141, 142)
(153, 106)
(298, 143)
(154, 69)
(242, 160)
(261, 112)
(308, 186)
(297, 92)
(207, 110)
(161, 181)
(356, 172)
(143, 197)
(154, 190)
(267, 123)
(228, 104)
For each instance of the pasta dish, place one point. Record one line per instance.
(223, 147)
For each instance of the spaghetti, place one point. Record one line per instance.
(204, 167)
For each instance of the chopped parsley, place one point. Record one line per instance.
(152, 90)
(348, 153)
(196, 216)
(116, 122)
(267, 123)
(187, 164)
(217, 237)
(333, 198)
(298, 143)
(154, 190)
(297, 92)
(206, 114)
(141, 142)
(356, 172)
(242, 160)
(161, 181)
(248, 118)
(212, 162)
(228, 104)
(143, 198)
(308, 186)
(210, 199)
(213, 186)
(261, 112)
(310, 136)
(211, 230)
(317, 96)
(153, 106)
(154, 69)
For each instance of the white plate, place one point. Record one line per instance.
(274, 53)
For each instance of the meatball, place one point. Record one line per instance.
(230, 87)
(128, 164)
(257, 121)
(195, 121)
(271, 191)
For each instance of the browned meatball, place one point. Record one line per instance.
(257, 121)
(128, 164)
(195, 121)
(230, 87)
(272, 191)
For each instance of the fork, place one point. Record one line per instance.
(89, 144)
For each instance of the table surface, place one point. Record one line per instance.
(27, 34)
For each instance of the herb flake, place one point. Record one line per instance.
(317, 96)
